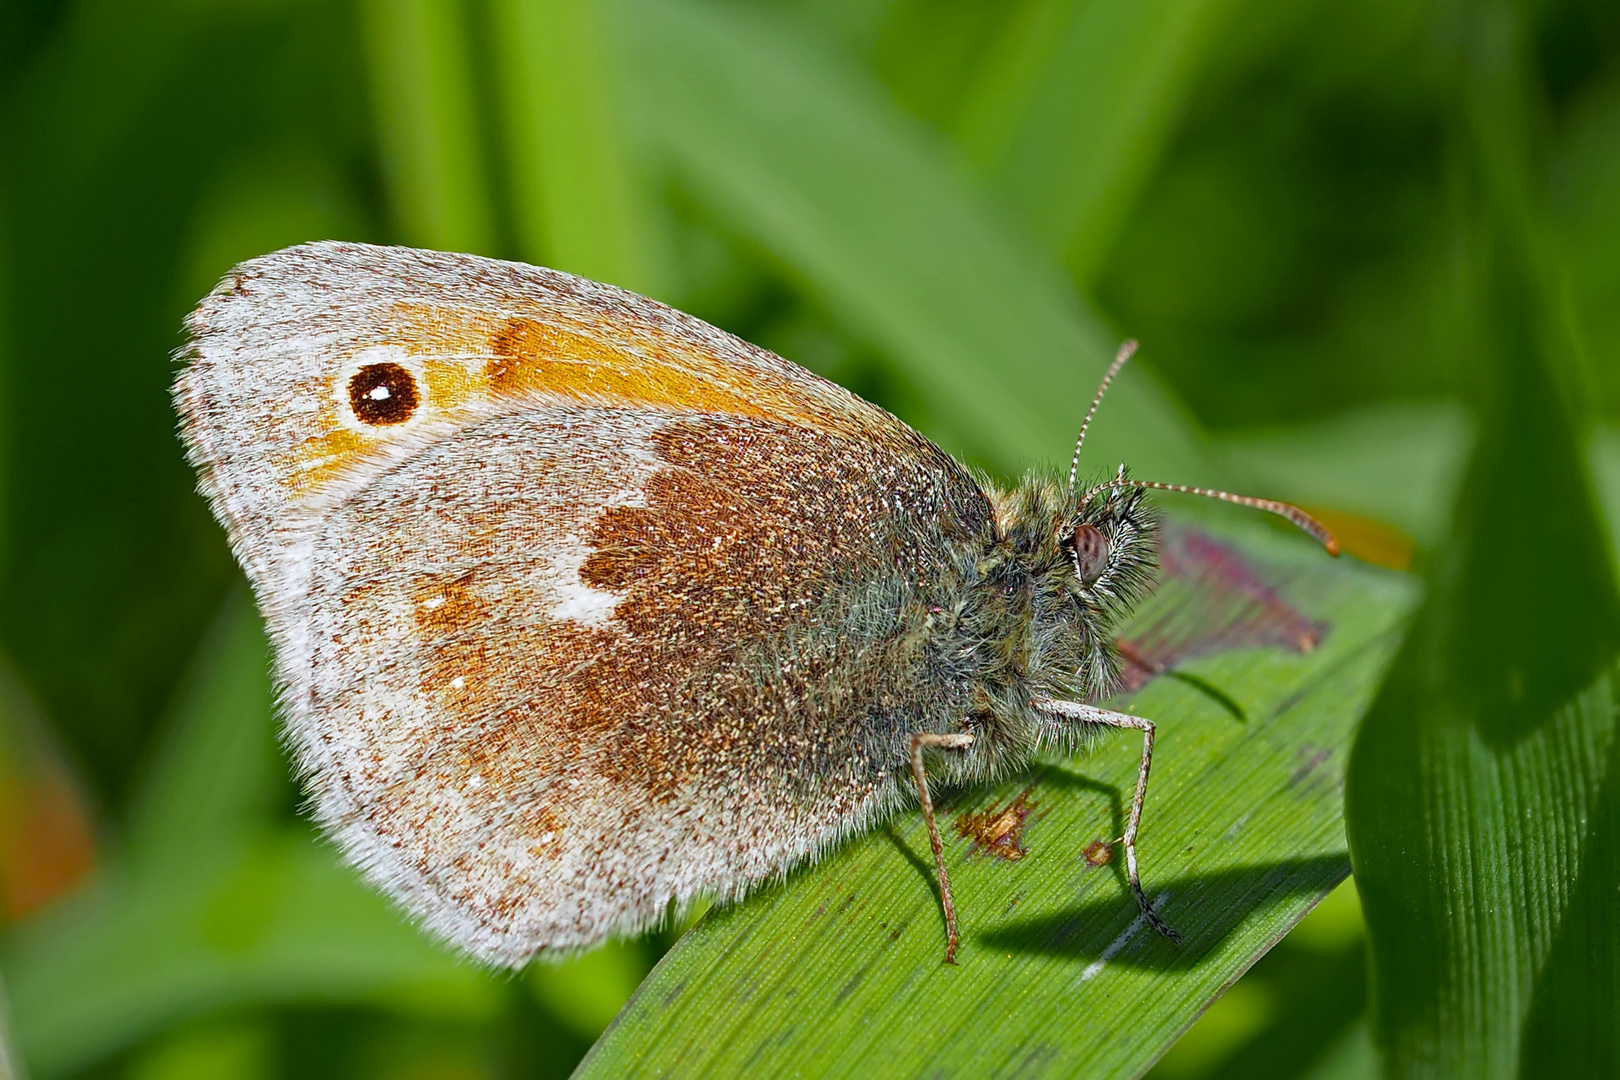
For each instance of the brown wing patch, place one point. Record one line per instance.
(310, 465)
(448, 606)
(718, 544)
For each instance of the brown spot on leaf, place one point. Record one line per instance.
(1099, 853)
(999, 830)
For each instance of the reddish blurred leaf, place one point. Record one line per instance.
(47, 845)
(1211, 600)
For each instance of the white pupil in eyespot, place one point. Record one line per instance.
(379, 393)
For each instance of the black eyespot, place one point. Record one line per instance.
(383, 394)
(1090, 553)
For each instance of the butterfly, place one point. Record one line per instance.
(582, 608)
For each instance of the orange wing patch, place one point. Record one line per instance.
(531, 357)
(467, 357)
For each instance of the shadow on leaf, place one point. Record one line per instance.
(1204, 908)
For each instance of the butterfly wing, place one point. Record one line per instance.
(636, 618)
(311, 369)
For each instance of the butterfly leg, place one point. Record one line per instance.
(1089, 714)
(920, 742)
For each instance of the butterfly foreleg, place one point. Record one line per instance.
(1073, 710)
(921, 741)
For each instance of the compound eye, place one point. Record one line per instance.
(1090, 553)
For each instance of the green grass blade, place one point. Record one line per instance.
(1484, 790)
(574, 196)
(273, 921)
(213, 908)
(217, 776)
(1484, 797)
(838, 972)
(427, 124)
(1011, 75)
(1071, 146)
(1604, 457)
(806, 156)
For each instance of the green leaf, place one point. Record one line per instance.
(1604, 456)
(1586, 201)
(1070, 136)
(216, 778)
(1485, 784)
(807, 156)
(427, 125)
(1484, 790)
(838, 972)
(574, 197)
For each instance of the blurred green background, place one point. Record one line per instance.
(1280, 198)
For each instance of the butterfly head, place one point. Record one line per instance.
(1108, 536)
(1085, 555)
(1082, 559)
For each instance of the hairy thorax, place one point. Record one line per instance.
(1033, 628)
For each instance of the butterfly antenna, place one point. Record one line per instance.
(1126, 351)
(1300, 518)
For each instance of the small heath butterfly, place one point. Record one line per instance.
(582, 607)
